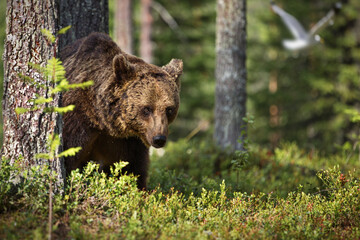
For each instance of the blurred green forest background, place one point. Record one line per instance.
(306, 97)
(306, 110)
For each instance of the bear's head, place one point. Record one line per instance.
(147, 97)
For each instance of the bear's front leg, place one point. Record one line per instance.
(108, 150)
(77, 134)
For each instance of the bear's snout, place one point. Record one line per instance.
(159, 141)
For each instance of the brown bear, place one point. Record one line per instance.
(126, 110)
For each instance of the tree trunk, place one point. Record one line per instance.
(84, 16)
(230, 73)
(124, 25)
(145, 35)
(26, 135)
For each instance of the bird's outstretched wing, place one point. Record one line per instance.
(325, 20)
(292, 23)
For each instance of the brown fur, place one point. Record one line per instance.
(126, 110)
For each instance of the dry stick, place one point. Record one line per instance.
(202, 126)
(50, 208)
(165, 15)
(55, 45)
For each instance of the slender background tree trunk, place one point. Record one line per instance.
(124, 25)
(25, 135)
(85, 17)
(230, 73)
(145, 36)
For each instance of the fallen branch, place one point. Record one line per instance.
(165, 15)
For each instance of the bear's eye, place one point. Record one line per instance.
(146, 111)
(170, 111)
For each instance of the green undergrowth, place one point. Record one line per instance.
(189, 166)
(194, 193)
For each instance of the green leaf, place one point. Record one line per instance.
(54, 142)
(60, 110)
(70, 152)
(37, 67)
(353, 114)
(54, 70)
(42, 155)
(48, 35)
(65, 86)
(64, 30)
(81, 85)
(21, 110)
(66, 109)
(31, 81)
(41, 100)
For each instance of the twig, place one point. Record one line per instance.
(165, 15)
(202, 126)
(50, 209)
(325, 190)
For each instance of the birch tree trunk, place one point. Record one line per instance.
(145, 35)
(26, 135)
(124, 25)
(230, 73)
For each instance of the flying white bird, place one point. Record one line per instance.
(303, 39)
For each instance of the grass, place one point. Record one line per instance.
(194, 193)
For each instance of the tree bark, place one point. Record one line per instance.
(145, 35)
(124, 25)
(230, 73)
(26, 135)
(85, 17)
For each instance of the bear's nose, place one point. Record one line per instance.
(159, 141)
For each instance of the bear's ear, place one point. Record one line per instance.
(123, 69)
(175, 69)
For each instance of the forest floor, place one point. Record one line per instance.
(195, 192)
